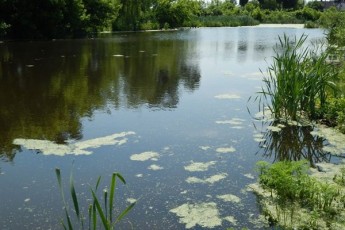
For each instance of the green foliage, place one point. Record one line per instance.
(281, 17)
(299, 81)
(95, 210)
(218, 21)
(3, 29)
(308, 14)
(316, 5)
(290, 184)
(334, 113)
(334, 20)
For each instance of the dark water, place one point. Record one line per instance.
(166, 90)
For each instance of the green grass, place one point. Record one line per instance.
(98, 216)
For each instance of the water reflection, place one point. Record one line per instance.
(293, 143)
(47, 87)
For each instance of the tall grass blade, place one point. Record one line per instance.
(94, 216)
(58, 176)
(70, 227)
(106, 203)
(100, 211)
(125, 212)
(98, 182)
(121, 177)
(112, 195)
(74, 197)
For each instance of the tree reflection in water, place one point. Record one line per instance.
(293, 143)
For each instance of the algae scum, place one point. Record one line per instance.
(171, 120)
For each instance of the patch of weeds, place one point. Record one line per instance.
(298, 199)
(96, 212)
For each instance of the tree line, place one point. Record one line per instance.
(37, 19)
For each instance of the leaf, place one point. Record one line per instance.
(100, 211)
(125, 212)
(74, 197)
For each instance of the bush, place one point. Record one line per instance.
(149, 26)
(308, 14)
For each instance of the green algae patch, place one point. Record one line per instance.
(131, 200)
(199, 166)
(231, 219)
(205, 215)
(209, 180)
(335, 138)
(259, 137)
(47, 147)
(205, 147)
(225, 150)
(155, 167)
(229, 198)
(233, 121)
(145, 156)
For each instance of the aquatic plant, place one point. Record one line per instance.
(95, 210)
(298, 82)
(292, 189)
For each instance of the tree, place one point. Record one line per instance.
(101, 13)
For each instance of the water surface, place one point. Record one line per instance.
(178, 97)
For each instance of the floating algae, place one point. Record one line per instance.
(204, 214)
(76, 148)
(131, 200)
(335, 139)
(199, 166)
(259, 137)
(210, 180)
(233, 121)
(204, 147)
(226, 150)
(145, 156)
(228, 96)
(231, 219)
(155, 167)
(274, 128)
(250, 176)
(229, 198)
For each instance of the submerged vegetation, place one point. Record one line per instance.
(98, 216)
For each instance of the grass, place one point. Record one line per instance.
(298, 82)
(98, 216)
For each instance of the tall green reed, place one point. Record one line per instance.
(96, 211)
(298, 82)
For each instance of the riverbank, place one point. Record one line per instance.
(325, 177)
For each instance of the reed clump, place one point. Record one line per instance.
(99, 216)
(298, 82)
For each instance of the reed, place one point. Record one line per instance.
(96, 211)
(298, 82)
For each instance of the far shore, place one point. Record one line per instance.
(297, 26)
